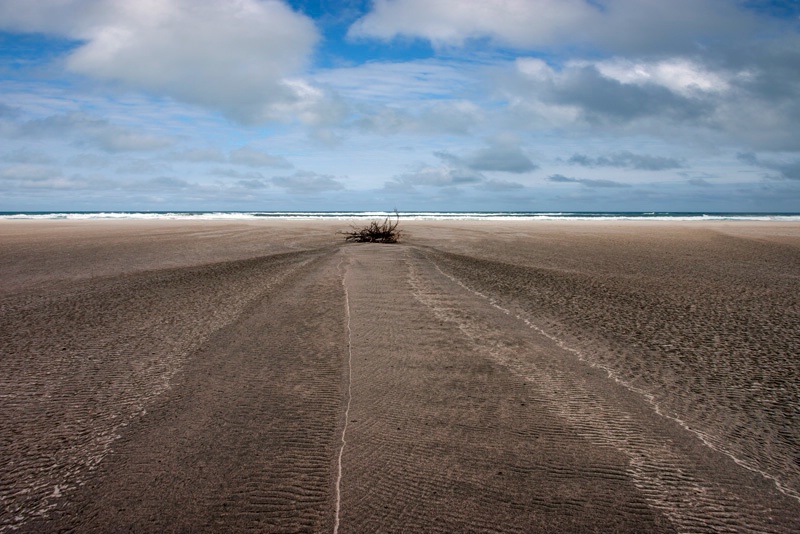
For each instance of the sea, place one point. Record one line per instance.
(409, 215)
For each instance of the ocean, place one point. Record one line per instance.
(411, 215)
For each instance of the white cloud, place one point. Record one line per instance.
(451, 22)
(740, 102)
(525, 24)
(592, 96)
(677, 74)
(234, 56)
(627, 85)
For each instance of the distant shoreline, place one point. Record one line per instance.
(408, 216)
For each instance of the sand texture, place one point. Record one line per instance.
(478, 377)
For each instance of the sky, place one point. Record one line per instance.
(445, 105)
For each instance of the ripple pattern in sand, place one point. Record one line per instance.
(688, 489)
(81, 365)
(443, 438)
(716, 350)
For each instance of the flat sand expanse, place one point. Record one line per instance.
(479, 376)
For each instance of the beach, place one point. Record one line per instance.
(492, 376)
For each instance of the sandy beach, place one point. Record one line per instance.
(165, 376)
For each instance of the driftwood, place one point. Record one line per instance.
(375, 232)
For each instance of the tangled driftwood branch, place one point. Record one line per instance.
(375, 232)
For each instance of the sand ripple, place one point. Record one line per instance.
(81, 365)
(478, 377)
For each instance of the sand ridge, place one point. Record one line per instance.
(501, 377)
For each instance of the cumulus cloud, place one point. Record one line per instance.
(452, 22)
(717, 75)
(616, 25)
(306, 182)
(559, 178)
(238, 57)
(740, 95)
(602, 98)
(628, 160)
(680, 75)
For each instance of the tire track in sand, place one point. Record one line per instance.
(696, 490)
(443, 438)
(217, 387)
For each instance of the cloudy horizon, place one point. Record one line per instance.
(520, 105)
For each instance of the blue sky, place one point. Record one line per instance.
(634, 105)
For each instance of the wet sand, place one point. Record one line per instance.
(479, 376)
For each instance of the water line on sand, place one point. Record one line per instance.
(349, 398)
